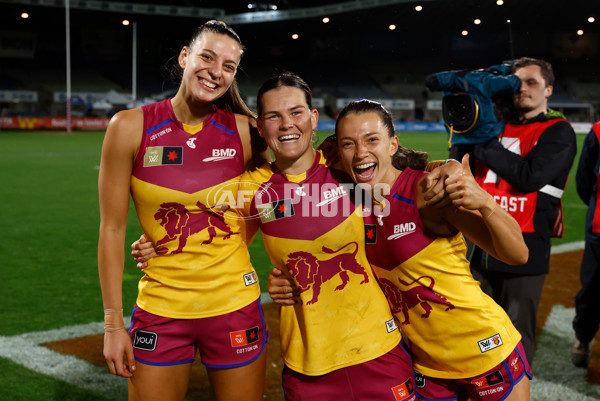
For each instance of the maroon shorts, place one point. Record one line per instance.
(493, 385)
(226, 341)
(387, 378)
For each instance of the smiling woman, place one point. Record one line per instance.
(151, 152)
(426, 275)
(287, 122)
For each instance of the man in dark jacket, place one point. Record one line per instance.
(587, 300)
(525, 169)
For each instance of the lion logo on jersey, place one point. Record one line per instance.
(310, 272)
(418, 295)
(180, 223)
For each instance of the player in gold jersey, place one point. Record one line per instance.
(463, 344)
(341, 337)
(170, 155)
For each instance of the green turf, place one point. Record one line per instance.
(18, 383)
(48, 242)
(50, 227)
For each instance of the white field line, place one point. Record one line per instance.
(27, 350)
(555, 378)
(571, 246)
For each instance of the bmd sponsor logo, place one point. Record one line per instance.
(400, 230)
(332, 195)
(221, 154)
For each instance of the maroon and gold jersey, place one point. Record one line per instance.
(313, 231)
(453, 329)
(184, 185)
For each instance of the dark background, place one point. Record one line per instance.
(355, 48)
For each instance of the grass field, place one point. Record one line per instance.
(49, 220)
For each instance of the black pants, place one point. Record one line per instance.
(587, 300)
(519, 296)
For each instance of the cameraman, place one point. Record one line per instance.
(525, 169)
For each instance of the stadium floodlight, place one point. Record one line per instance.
(262, 6)
(24, 15)
(500, 2)
(591, 20)
(580, 32)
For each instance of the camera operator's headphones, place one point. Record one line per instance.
(460, 111)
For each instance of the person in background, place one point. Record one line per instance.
(173, 156)
(525, 170)
(587, 300)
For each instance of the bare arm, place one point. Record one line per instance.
(475, 213)
(118, 151)
(281, 288)
(256, 152)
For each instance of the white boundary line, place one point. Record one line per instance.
(558, 380)
(554, 376)
(571, 246)
(27, 350)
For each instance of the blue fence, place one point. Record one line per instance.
(398, 125)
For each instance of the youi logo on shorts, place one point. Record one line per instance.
(420, 380)
(221, 154)
(145, 340)
(400, 230)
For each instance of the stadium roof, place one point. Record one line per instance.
(358, 34)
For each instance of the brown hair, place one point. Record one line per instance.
(285, 78)
(546, 68)
(231, 99)
(403, 157)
